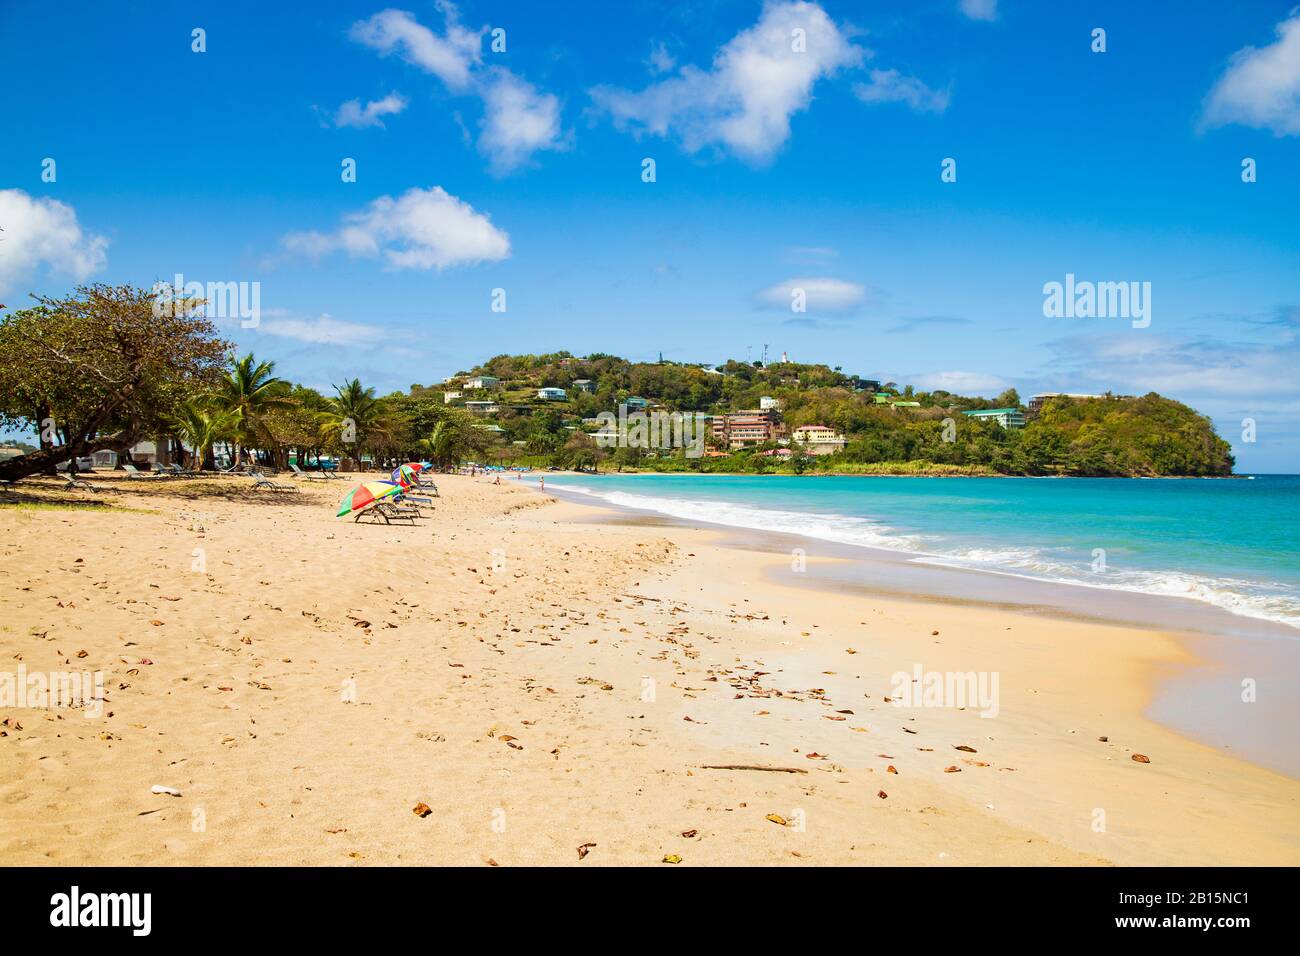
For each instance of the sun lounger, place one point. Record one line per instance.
(386, 512)
(133, 472)
(302, 474)
(76, 482)
(416, 505)
(261, 481)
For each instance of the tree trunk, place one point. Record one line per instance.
(37, 461)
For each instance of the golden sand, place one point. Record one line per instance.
(552, 689)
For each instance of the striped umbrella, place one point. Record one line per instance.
(366, 494)
(406, 474)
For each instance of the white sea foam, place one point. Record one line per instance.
(1268, 601)
(842, 529)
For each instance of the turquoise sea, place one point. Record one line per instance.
(1231, 543)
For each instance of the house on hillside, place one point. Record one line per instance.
(1038, 401)
(818, 439)
(585, 384)
(1006, 417)
(483, 381)
(742, 429)
(552, 394)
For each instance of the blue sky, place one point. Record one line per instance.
(776, 168)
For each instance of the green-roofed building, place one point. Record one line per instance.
(1006, 417)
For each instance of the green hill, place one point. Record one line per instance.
(1107, 436)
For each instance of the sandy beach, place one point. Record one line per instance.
(559, 688)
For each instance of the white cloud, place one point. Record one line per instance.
(323, 330)
(352, 113)
(980, 9)
(823, 294)
(757, 81)
(963, 383)
(44, 232)
(421, 229)
(1219, 368)
(1261, 87)
(517, 121)
(890, 86)
(660, 60)
(450, 57)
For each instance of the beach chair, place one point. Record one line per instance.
(302, 474)
(261, 481)
(135, 473)
(413, 503)
(330, 474)
(386, 512)
(178, 471)
(75, 481)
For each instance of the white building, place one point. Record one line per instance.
(482, 381)
(767, 403)
(552, 394)
(818, 439)
(449, 397)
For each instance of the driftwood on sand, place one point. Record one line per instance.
(750, 766)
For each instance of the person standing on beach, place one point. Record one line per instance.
(542, 481)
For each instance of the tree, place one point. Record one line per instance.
(249, 392)
(354, 417)
(581, 452)
(455, 437)
(201, 425)
(99, 369)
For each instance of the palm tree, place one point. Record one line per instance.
(249, 391)
(353, 416)
(455, 436)
(201, 426)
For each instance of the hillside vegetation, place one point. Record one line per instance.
(1109, 436)
(102, 369)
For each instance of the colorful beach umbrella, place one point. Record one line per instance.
(367, 494)
(406, 474)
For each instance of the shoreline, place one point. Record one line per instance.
(898, 474)
(1074, 596)
(1119, 667)
(546, 679)
(1187, 699)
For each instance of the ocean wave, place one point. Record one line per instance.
(1262, 600)
(842, 529)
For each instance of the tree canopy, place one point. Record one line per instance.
(98, 369)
